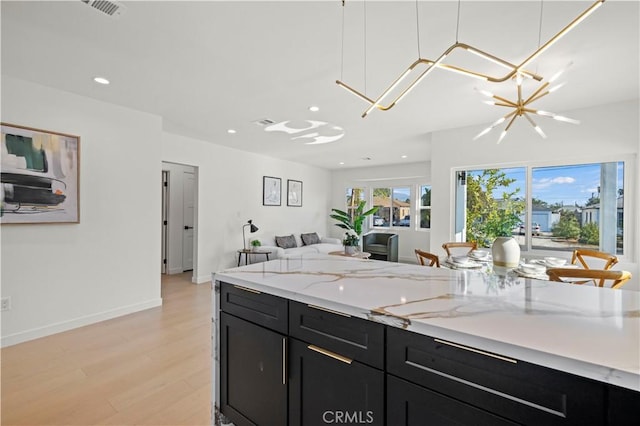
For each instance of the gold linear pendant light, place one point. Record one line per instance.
(514, 70)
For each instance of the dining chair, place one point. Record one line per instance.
(427, 259)
(599, 276)
(452, 247)
(585, 256)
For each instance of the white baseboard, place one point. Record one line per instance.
(59, 327)
(201, 279)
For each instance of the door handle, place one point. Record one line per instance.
(284, 360)
(188, 227)
(330, 354)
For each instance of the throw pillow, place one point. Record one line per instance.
(286, 242)
(310, 238)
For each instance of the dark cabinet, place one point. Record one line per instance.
(260, 308)
(331, 373)
(336, 368)
(253, 356)
(412, 405)
(328, 388)
(623, 405)
(354, 338)
(253, 373)
(509, 388)
(288, 363)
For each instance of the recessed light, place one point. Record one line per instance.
(101, 80)
(314, 108)
(341, 163)
(231, 131)
(404, 156)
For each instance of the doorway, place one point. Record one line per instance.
(179, 221)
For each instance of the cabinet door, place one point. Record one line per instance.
(260, 308)
(412, 405)
(355, 338)
(253, 376)
(325, 389)
(514, 389)
(623, 406)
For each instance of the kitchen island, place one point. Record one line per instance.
(419, 343)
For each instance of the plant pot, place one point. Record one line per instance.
(350, 250)
(505, 252)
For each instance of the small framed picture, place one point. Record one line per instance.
(271, 191)
(294, 193)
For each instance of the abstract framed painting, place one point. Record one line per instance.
(294, 193)
(40, 176)
(271, 191)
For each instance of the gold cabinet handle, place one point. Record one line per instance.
(478, 351)
(250, 290)
(330, 354)
(320, 308)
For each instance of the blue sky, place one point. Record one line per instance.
(566, 184)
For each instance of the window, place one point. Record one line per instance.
(424, 206)
(394, 207)
(354, 196)
(579, 206)
(566, 207)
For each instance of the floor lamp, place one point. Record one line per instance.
(252, 230)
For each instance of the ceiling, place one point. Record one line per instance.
(209, 66)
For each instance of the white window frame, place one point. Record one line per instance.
(630, 191)
(420, 207)
(412, 206)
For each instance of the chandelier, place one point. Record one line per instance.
(522, 107)
(514, 71)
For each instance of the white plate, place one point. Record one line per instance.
(460, 262)
(525, 274)
(555, 262)
(532, 268)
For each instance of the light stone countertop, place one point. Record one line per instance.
(587, 331)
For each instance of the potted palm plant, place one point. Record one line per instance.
(352, 223)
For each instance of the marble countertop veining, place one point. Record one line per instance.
(587, 331)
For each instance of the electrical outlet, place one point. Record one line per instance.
(5, 304)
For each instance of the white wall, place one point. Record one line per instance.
(606, 133)
(410, 174)
(230, 193)
(64, 276)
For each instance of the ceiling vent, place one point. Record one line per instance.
(110, 8)
(264, 122)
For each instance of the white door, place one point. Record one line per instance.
(188, 191)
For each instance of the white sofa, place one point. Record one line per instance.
(325, 246)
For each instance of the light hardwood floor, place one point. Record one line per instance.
(148, 368)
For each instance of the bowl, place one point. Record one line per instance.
(555, 261)
(532, 268)
(479, 254)
(462, 260)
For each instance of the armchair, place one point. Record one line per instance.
(382, 246)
